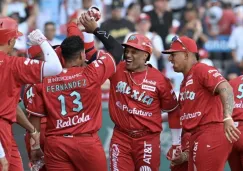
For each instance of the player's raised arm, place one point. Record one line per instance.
(226, 94)
(52, 64)
(111, 45)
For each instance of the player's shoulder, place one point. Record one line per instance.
(237, 80)
(101, 54)
(33, 87)
(201, 68)
(158, 77)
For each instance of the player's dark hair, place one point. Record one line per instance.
(50, 23)
(197, 56)
(72, 47)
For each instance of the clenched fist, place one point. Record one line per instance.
(36, 37)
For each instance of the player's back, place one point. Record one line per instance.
(14, 72)
(237, 85)
(73, 98)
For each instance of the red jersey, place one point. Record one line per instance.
(198, 102)
(73, 98)
(136, 99)
(15, 72)
(33, 101)
(237, 85)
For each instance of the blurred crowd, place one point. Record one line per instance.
(216, 25)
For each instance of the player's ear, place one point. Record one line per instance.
(82, 55)
(186, 56)
(146, 55)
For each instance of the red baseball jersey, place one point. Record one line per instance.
(198, 102)
(136, 99)
(237, 85)
(15, 72)
(33, 101)
(73, 98)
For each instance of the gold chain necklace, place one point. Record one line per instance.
(143, 79)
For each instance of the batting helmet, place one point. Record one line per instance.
(8, 29)
(139, 42)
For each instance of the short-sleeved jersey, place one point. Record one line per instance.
(198, 102)
(33, 101)
(136, 99)
(73, 98)
(15, 72)
(237, 85)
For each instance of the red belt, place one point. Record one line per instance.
(133, 133)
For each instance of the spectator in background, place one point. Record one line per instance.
(236, 39)
(177, 8)
(235, 43)
(219, 21)
(161, 22)
(14, 6)
(161, 18)
(25, 26)
(117, 26)
(50, 33)
(204, 57)
(142, 27)
(192, 26)
(133, 12)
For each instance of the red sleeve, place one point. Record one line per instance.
(26, 71)
(209, 77)
(102, 68)
(34, 101)
(168, 100)
(72, 30)
(174, 119)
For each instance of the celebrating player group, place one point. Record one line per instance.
(63, 100)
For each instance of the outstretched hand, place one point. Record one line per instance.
(88, 22)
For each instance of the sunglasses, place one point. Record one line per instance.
(176, 38)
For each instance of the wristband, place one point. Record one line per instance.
(228, 118)
(33, 133)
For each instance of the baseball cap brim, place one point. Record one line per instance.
(133, 45)
(169, 51)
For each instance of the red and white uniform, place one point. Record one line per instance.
(73, 104)
(137, 107)
(32, 102)
(14, 72)
(236, 156)
(202, 115)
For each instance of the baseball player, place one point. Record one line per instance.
(138, 93)
(73, 104)
(206, 102)
(15, 72)
(236, 156)
(31, 97)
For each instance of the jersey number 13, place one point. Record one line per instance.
(76, 101)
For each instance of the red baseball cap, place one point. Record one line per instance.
(8, 29)
(182, 44)
(143, 17)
